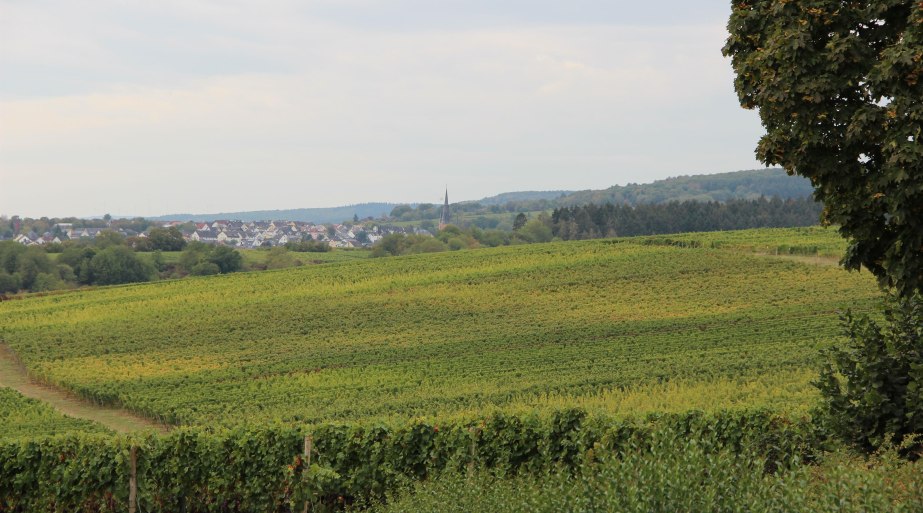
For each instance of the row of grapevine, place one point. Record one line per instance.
(433, 335)
(673, 474)
(265, 470)
(22, 417)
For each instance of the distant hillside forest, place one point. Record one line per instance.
(717, 187)
(595, 221)
(599, 221)
(739, 185)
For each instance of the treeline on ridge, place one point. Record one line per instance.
(597, 221)
(594, 221)
(722, 187)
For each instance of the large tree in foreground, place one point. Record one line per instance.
(839, 88)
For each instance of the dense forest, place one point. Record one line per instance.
(595, 221)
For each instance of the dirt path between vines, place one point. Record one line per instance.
(14, 375)
(824, 260)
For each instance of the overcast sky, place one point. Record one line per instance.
(156, 107)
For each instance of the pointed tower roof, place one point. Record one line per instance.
(446, 217)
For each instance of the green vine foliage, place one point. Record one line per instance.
(838, 87)
(264, 470)
(872, 387)
(67, 473)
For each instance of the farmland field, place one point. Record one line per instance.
(622, 326)
(253, 257)
(21, 417)
(811, 241)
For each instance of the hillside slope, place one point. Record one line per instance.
(445, 333)
(714, 187)
(22, 417)
(717, 187)
(506, 197)
(722, 187)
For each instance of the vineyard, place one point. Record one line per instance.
(347, 381)
(438, 335)
(807, 241)
(678, 474)
(269, 469)
(21, 417)
(255, 257)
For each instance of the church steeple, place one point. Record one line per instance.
(444, 220)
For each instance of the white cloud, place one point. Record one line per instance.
(269, 95)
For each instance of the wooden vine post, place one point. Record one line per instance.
(472, 451)
(133, 479)
(308, 443)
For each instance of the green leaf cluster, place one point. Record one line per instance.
(264, 470)
(676, 474)
(872, 386)
(838, 87)
(202, 259)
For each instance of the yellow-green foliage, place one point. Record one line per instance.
(255, 257)
(811, 241)
(677, 474)
(262, 469)
(617, 325)
(21, 417)
(785, 390)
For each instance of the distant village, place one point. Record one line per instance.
(240, 234)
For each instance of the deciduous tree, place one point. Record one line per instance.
(838, 85)
(839, 88)
(119, 264)
(227, 259)
(166, 239)
(520, 221)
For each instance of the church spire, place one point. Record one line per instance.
(444, 220)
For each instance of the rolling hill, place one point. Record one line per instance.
(589, 322)
(715, 187)
(340, 383)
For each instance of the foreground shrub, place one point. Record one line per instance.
(872, 387)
